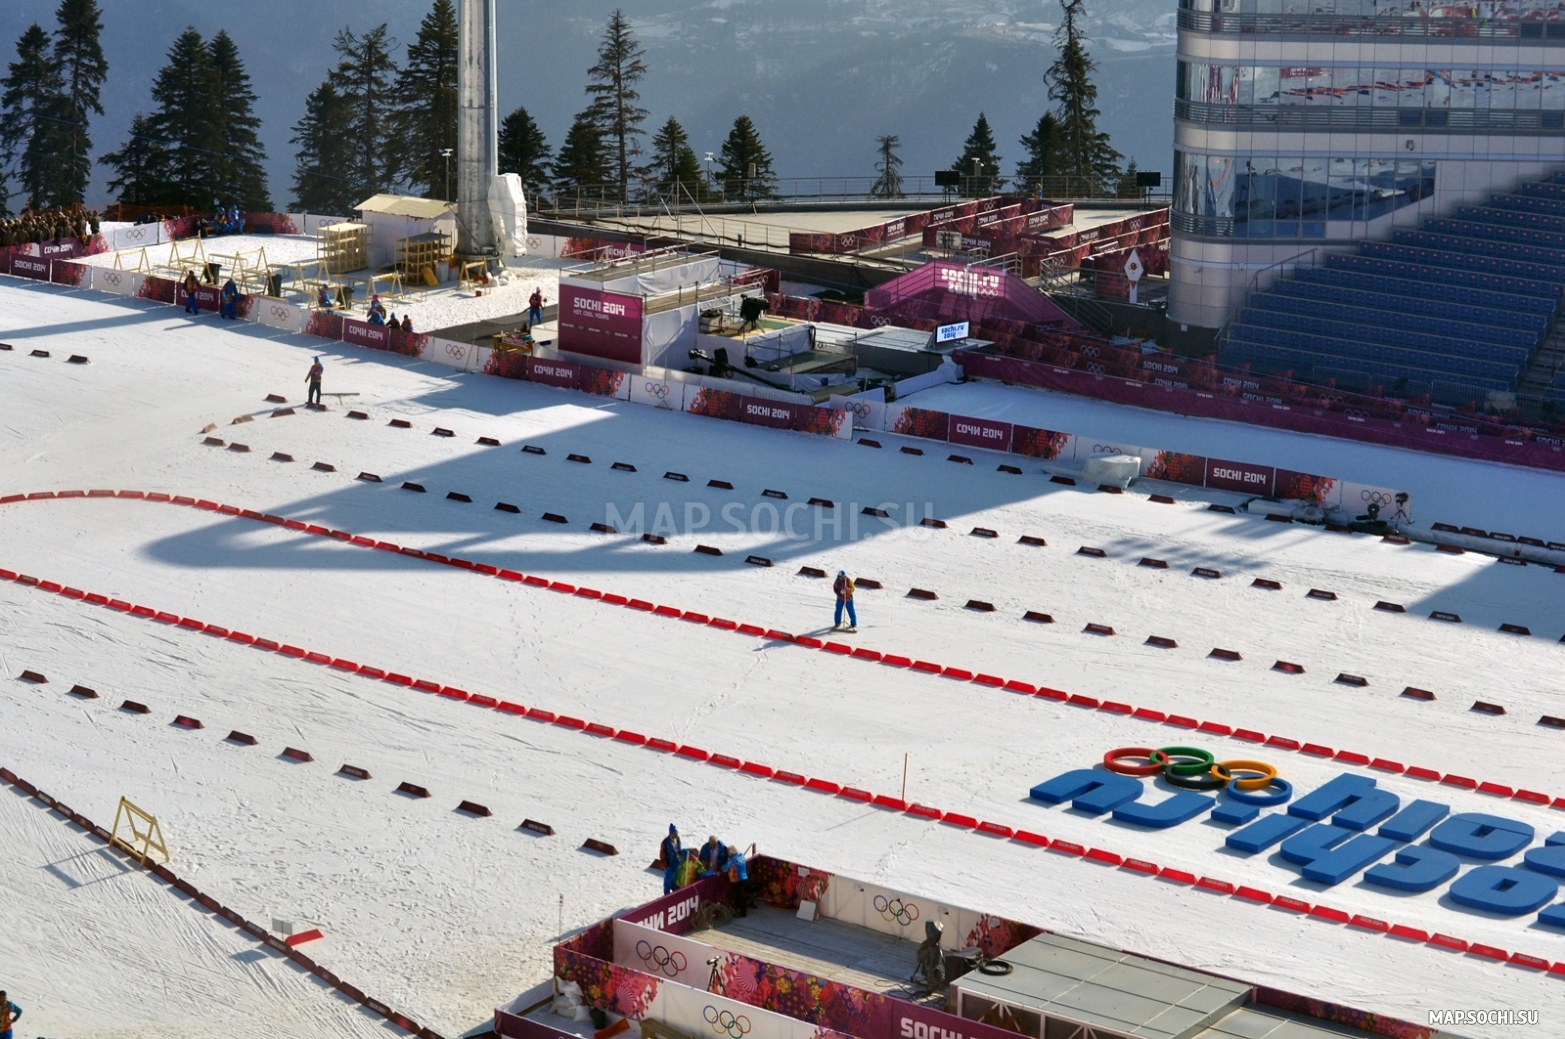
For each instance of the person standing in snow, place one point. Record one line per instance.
(230, 300)
(535, 308)
(10, 1013)
(843, 586)
(191, 284)
(673, 854)
(314, 379)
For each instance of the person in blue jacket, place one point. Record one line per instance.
(739, 876)
(229, 300)
(10, 1013)
(713, 856)
(673, 854)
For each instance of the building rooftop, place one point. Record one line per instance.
(1093, 985)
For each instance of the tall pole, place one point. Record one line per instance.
(477, 157)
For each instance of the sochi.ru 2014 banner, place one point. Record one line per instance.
(1348, 826)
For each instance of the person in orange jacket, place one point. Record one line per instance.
(843, 586)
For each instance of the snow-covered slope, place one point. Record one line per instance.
(445, 915)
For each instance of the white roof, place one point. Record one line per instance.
(406, 205)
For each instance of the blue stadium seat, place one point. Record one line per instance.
(1542, 305)
(1457, 306)
(1395, 319)
(1390, 304)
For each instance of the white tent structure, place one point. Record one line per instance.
(391, 217)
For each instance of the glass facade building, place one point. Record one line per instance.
(1302, 126)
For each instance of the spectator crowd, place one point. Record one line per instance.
(48, 225)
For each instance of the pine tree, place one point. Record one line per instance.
(889, 182)
(182, 127)
(319, 185)
(239, 178)
(363, 77)
(583, 163)
(524, 151)
(1127, 186)
(978, 164)
(139, 165)
(83, 68)
(746, 170)
(675, 167)
(1040, 151)
(30, 126)
(612, 86)
(427, 120)
(1084, 152)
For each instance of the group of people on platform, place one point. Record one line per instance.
(36, 226)
(378, 316)
(225, 221)
(682, 866)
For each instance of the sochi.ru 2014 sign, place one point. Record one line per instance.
(1329, 852)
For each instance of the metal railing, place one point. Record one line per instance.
(1487, 29)
(1367, 119)
(645, 197)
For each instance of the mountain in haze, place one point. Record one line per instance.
(820, 78)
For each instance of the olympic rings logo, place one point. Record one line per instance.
(1090, 351)
(534, 243)
(456, 351)
(281, 312)
(113, 277)
(661, 960)
(657, 389)
(1106, 449)
(1378, 497)
(735, 1026)
(860, 408)
(136, 234)
(1192, 768)
(896, 911)
(1095, 368)
(879, 321)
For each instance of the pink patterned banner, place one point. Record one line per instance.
(1255, 407)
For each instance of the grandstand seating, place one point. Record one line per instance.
(1456, 308)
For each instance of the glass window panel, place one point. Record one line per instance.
(1339, 180)
(1384, 93)
(1529, 91)
(1220, 185)
(1266, 85)
(1438, 93)
(1552, 90)
(1344, 86)
(1287, 199)
(1360, 189)
(1313, 189)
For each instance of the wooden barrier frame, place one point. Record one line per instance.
(151, 839)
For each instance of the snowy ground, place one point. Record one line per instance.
(444, 915)
(431, 309)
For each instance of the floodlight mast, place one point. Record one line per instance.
(477, 154)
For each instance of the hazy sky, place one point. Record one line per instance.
(821, 78)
